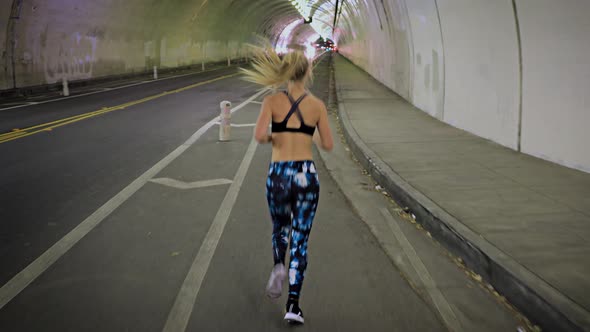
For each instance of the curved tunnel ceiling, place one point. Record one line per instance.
(244, 18)
(89, 39)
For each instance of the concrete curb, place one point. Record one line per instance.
(538, 300)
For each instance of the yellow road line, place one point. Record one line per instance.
(10, 136)
(10, 133)
(13, 134)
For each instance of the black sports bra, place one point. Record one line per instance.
(279, 127)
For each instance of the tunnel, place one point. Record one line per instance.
(471, 116)
(474, 65)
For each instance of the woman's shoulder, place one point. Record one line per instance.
(316, 102)
(314, 99)
(280, 95)
(273, 97)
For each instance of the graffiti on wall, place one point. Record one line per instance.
(72, 58)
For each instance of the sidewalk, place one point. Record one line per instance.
(520, 222)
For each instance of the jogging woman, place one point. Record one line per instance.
(292, 186)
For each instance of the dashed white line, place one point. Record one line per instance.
(20, 281)
(190, 185)
(185, 300)
(240, 125)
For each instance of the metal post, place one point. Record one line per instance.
(203, 65)
(228, 61)
(66, 88)
(335, 17)
(155, 72)
(225, 121)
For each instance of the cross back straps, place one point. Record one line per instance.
(278, 127)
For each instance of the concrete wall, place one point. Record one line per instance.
(481, 66)
(5, 75)
(89, 39)
(465, 67)
(428, 70)
(556, 80)
(376, 38)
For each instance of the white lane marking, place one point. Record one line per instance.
(110, 89)
(439, 300)
(190, 185)
(243, 125)
(257, 102)
(185, 301)
(20, 281)
(239, 125)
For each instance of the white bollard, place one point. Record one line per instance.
(66, 88)
(225, 121)
(155, 72)
(228, 61)
(203, 66)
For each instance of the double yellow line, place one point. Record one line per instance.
(45, 127)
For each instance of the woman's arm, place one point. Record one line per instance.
(324, 140)
(261, 131)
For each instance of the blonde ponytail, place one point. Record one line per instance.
(269, 70)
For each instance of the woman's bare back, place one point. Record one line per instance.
(288, 145)
(294, 145)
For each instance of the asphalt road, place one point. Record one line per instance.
(129, 270)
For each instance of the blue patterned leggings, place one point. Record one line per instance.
(292, 191)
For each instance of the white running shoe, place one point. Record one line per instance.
(274, 288)
(294, 314)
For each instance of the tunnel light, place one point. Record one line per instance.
(303, 7)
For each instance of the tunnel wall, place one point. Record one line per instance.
(376, 29)
(556, 80)
(5, 6)
(481, 66)
(465, 67)
(84, 40)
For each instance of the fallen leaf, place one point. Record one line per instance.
(176, 253)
